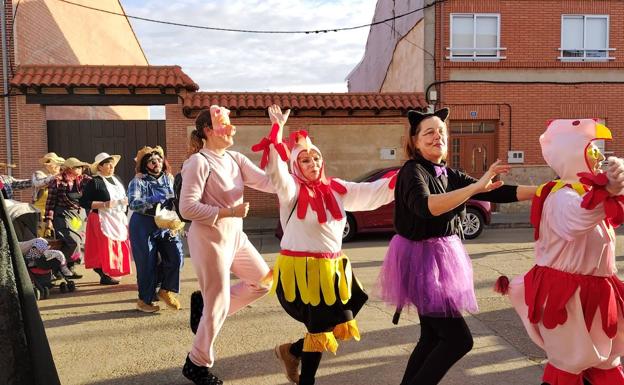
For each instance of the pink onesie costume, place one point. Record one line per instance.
(218, 246)
(571, 301)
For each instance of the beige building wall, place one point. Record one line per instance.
(405, 73)
(54, 32)
(247, 136)
(351, 150)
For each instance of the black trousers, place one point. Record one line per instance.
(443, 341)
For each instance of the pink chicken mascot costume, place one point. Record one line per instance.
(571, 302)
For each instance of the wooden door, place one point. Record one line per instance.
(471, 149)
(84, 139)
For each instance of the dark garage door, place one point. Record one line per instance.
(84, 139)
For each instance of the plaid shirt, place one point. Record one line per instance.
(10, 184)
(143, 187)
(58, 190)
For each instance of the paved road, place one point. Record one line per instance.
(98, 338)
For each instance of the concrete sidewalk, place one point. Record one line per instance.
(97, 336)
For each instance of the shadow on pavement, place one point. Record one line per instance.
(91, 317)
(506, 324)
(42, 306)
(501, 252)
(355, 363)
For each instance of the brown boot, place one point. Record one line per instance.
(289, 362)
(147, 307)
(169, 298)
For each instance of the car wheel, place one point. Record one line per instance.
(349, 230)
(473, 223)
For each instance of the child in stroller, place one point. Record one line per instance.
(42, 263)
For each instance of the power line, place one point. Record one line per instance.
(252, 30)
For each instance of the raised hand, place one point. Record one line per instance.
(279, 118)
(485, 184)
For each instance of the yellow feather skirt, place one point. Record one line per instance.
(314, 278)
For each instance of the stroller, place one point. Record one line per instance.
(44, 264)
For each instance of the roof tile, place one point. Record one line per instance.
(305, 101)
(51, 75)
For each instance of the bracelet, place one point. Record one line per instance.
(231, 211)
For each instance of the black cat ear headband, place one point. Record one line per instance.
(415, 117)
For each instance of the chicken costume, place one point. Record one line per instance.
(571, 302)
(313, 278)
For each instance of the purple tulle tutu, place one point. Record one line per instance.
(435, 275)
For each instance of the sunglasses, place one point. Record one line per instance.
(154, 161)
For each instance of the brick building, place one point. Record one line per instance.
(505, 68)
(78, 97)
(48, 33)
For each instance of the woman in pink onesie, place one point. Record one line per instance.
(571, 302)
(212, 198)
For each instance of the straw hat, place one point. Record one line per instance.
(51, 157)
(102, 156)
(149, 150)
(74, 162)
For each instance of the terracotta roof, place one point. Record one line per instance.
(307, 101)
(54, 75)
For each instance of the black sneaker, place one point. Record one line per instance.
(200, 375)
(106, 280)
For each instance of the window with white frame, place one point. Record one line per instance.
(585, 38)
(475, 37)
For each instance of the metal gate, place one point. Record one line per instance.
(84, 139)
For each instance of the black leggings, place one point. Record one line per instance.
(310, 362)
(443, 341)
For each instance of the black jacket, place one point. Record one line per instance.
(95, 191)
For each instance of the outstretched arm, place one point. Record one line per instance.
(439, 204)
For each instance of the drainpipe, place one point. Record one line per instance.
(5, 85)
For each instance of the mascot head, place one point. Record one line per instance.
(568, 148)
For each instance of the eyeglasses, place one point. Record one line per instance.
(595, 154)
(155, 161)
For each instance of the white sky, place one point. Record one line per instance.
(227, 61)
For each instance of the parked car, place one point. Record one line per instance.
(478, 214)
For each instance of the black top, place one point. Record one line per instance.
(95, 191)
(416, 181)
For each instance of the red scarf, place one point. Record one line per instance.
(319, 196)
